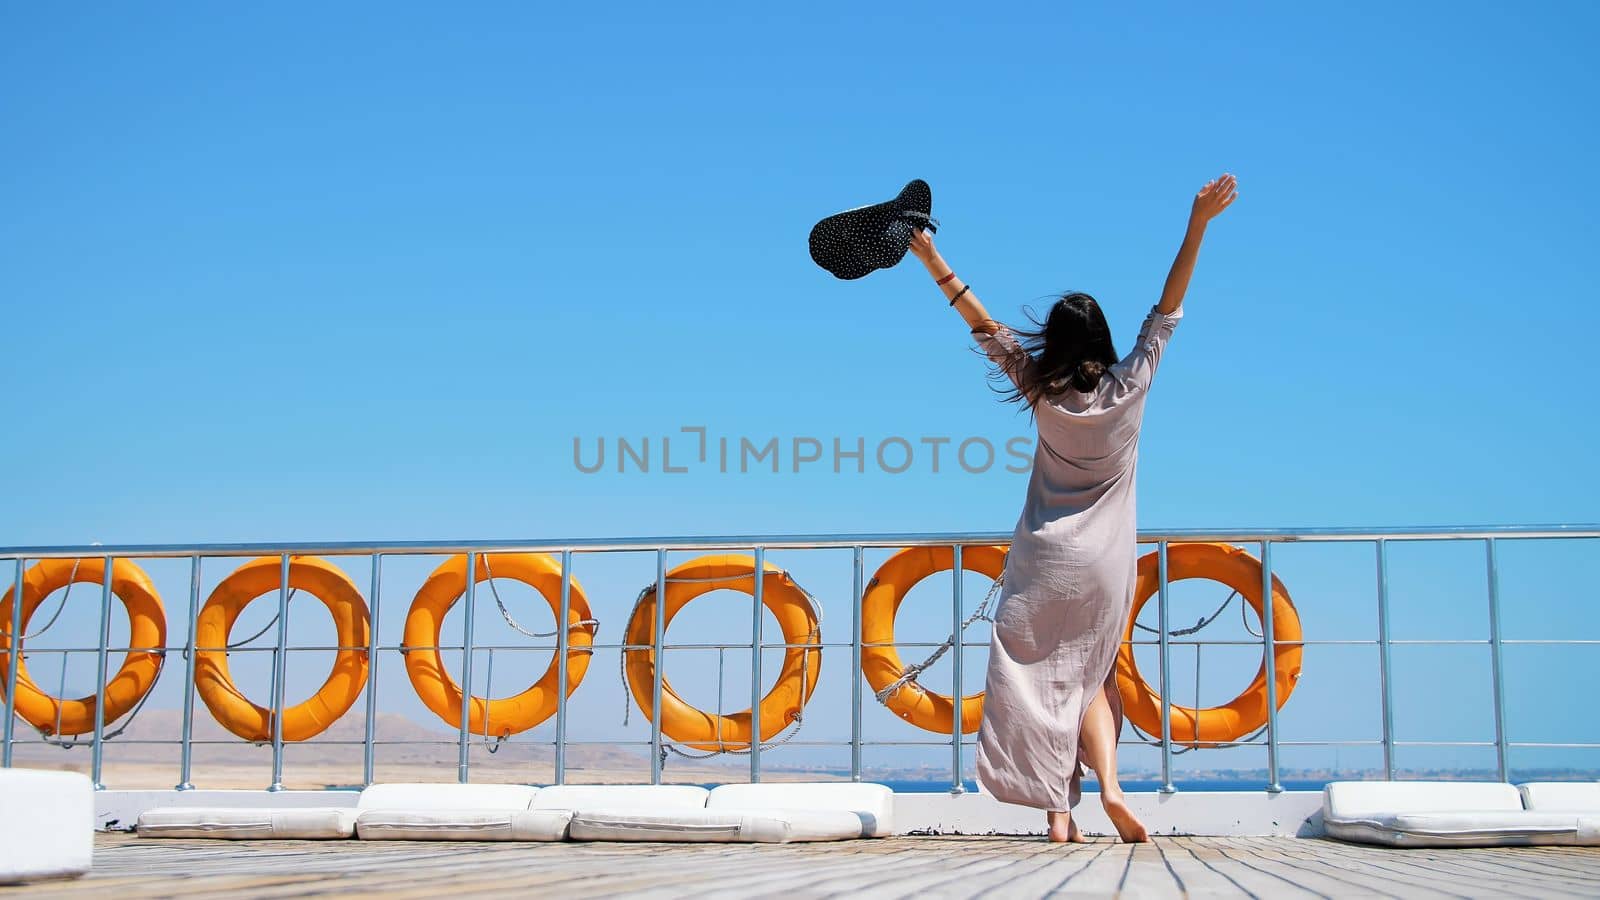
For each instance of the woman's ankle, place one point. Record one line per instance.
(1058, 825)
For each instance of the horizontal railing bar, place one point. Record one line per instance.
(814, 742)
(28, 650)
(396, 648)
(781, 542)
(1251, 643)
(265, 745)
(843, 742)
(1355, 642)
(767, 645)
(910, 743)
(1371, 743)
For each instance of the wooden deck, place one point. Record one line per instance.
(126, 867)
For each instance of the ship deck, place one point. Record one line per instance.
(891, 867)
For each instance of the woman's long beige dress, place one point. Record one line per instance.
(1069, 577)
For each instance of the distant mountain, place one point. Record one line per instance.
(341, 745)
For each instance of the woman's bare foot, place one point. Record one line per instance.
(1062, 828)
(1128, 825)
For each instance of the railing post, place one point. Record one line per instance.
(186, 759)
(280, 673)
(367, 760)
(464, 748)
(859, 581)
(1270, 643)
(757, 593)
(13, 654)
(1384, 673)
(658, 645)
(97, 749)
(562, 639)
(956, 787)
(1166, 673)
(488, 694)
(1496, 661)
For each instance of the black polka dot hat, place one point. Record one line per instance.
(853, 243)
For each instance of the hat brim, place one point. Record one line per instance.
(857, 242)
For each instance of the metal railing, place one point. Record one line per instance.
(759, 545)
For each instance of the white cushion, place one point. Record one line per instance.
(1482, 828)
(715, 825)
(247, 823)
(447, 796)
(46, 825)
(463, 824)
(621, 796)
(1562, 796)
(1349, 801)
(872, 803)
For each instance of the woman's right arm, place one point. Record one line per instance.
(996, 340)
(954, 288)
(1212, 200)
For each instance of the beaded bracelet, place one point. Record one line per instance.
(945, 280)
(964, 289)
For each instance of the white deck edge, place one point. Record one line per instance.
(118, 810)
(1208, 813)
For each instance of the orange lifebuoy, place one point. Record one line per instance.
(228, 705)
(1141, 703)
(881, 664)
(425, 665)
(796, 615)
(147, 635)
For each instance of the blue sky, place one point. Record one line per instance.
(367, 272)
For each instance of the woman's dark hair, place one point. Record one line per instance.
(1071, 348)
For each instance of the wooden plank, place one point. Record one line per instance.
(941, 869)
(1506, 867)
(661, 869)
(811, 873)
(1066, 861)
(1026, 855)
(889, 867)
(1447, 867)
(1104, 874)
(1453, 869)
(1342, 877)
(1149, 874)
(1196, 876)
(1581, 864)
(800, 872)
(502, 866)
(1252, 878)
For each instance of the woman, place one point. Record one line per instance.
(1050, 702)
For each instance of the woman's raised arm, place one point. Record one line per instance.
(996, 340)
(954, 288)
(1212, 199)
